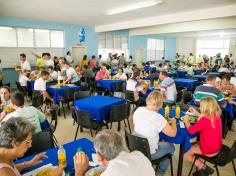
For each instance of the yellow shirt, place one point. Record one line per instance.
(191, 60)
(84, 62)
(40, 63)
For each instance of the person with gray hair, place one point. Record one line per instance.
(15, 140)
(112, 153)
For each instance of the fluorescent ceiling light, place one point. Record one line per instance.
(133, 7)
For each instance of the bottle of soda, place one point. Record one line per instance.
(59, 83)
(61, 156)
(167, 112)
(177, 111)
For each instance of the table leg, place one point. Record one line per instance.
(181, 157)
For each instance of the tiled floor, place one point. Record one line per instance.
(66, 130)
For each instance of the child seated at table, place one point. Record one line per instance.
(210, 127)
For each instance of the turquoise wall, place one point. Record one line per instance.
(70, 30)
(140, 41)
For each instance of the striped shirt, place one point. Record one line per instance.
(207, 90)
(168, 86)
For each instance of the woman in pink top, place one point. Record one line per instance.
(15, 139)
(102, 74)
(210, 128)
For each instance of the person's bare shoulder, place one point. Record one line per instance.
(6, 172)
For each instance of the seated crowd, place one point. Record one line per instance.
(18, 121)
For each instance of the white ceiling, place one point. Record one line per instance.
(92, 12)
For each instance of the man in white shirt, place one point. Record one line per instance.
(168, 87)
(49, 61)
(111, 153)
(25, 65)
(72, 76)
(40, 85)
(52, 73)
(30, 113)
(149, 123)
(69, 59)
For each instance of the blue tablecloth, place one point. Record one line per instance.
(58, 93)
(170, 74)
(30, 85)
(147, 93)
(71, 148)
(182, 136)
(230, 108)
(182, 74)
(200, 77)
(108, 84)
(188, 83)
(198, 72)
(98, 106)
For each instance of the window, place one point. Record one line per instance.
(28, 37)
(111, 43)
(25, 37)
(155, 49)
(7, 37)
(211, 47)
(57, 39)
(102, 41)
(117, 42)
(42, 38)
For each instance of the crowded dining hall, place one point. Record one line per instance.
(135, 88)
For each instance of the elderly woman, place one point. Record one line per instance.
(15, 139)
(111, 153)
(149, 123)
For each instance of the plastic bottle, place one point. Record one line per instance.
(59, 83)
(61, 156)
(167, 112)
(79, 149)
(177, 112)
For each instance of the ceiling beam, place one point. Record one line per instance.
(210, 13)
(190, 26)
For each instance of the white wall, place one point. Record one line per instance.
(187, 45)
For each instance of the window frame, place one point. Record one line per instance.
(15, 28)
(154, 46)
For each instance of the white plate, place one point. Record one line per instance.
(95, 169)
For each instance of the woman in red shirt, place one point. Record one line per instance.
(210, 128)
